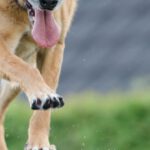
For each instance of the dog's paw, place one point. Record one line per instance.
(45, 102)
(51, 147)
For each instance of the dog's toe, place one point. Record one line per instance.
(54, 101)
(35, 106)
(57, 101)
(35, 148)
(61, 101)
(47, 104)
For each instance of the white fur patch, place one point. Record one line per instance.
(10, 84)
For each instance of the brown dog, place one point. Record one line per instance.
(32, 41)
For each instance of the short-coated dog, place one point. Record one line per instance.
(32, 41)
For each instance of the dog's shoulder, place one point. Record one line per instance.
(14, 23)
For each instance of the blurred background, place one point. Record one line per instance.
(108, 47)
(105, 80)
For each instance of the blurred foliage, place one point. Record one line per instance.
(90, 122)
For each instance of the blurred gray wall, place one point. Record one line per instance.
(108, 46)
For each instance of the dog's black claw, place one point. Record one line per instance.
(50, 102)
(61, 101)
(39, 102)
(47, 104)
(34, 106)
(55, 102)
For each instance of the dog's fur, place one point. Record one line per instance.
(25, 66)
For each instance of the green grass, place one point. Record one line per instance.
(90, 122)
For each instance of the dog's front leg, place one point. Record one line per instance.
(30, 80)
(39, 124)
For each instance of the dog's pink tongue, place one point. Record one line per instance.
(45, 29)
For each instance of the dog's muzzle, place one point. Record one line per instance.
(45, 30)
(48, 4)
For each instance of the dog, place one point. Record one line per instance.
(32, 42)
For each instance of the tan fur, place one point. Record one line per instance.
(19, 56)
